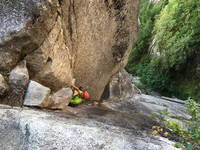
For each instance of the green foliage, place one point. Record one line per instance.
(162, 115)
(175, 127)
(177, 34)
(188, 87)
(154, 79)
(189, 133)
(148, 12)
(193, 127)
(192, 134)
(193, 109)
(151, 78)
(169, 29)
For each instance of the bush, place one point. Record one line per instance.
(154, 79)
(188, 134)
(177, 34)
(193, 109)
(147, 15)
(172, 27)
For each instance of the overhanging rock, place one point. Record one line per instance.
(61, 40)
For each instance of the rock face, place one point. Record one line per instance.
(101, 129)
(3, 86)
(65, 39)
(147, 104)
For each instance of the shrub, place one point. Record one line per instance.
(177, 34)
(173, 27)
(147, 15)
(154, 79)
(189, 133)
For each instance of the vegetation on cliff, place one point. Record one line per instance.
(166, 53)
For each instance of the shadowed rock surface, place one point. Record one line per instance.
(120, 87)
(18, 81)
(61, 40)
(92, 128)
(147, 104)
(3, 86)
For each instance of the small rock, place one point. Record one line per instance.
(37, 95)
(8, 60)
(18, 81)
(136, 80)
(61, 98)
(3, 86)
(120, 87)
(19, 75)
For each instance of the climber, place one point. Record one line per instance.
(79, 96)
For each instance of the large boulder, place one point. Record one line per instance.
(65, 39)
